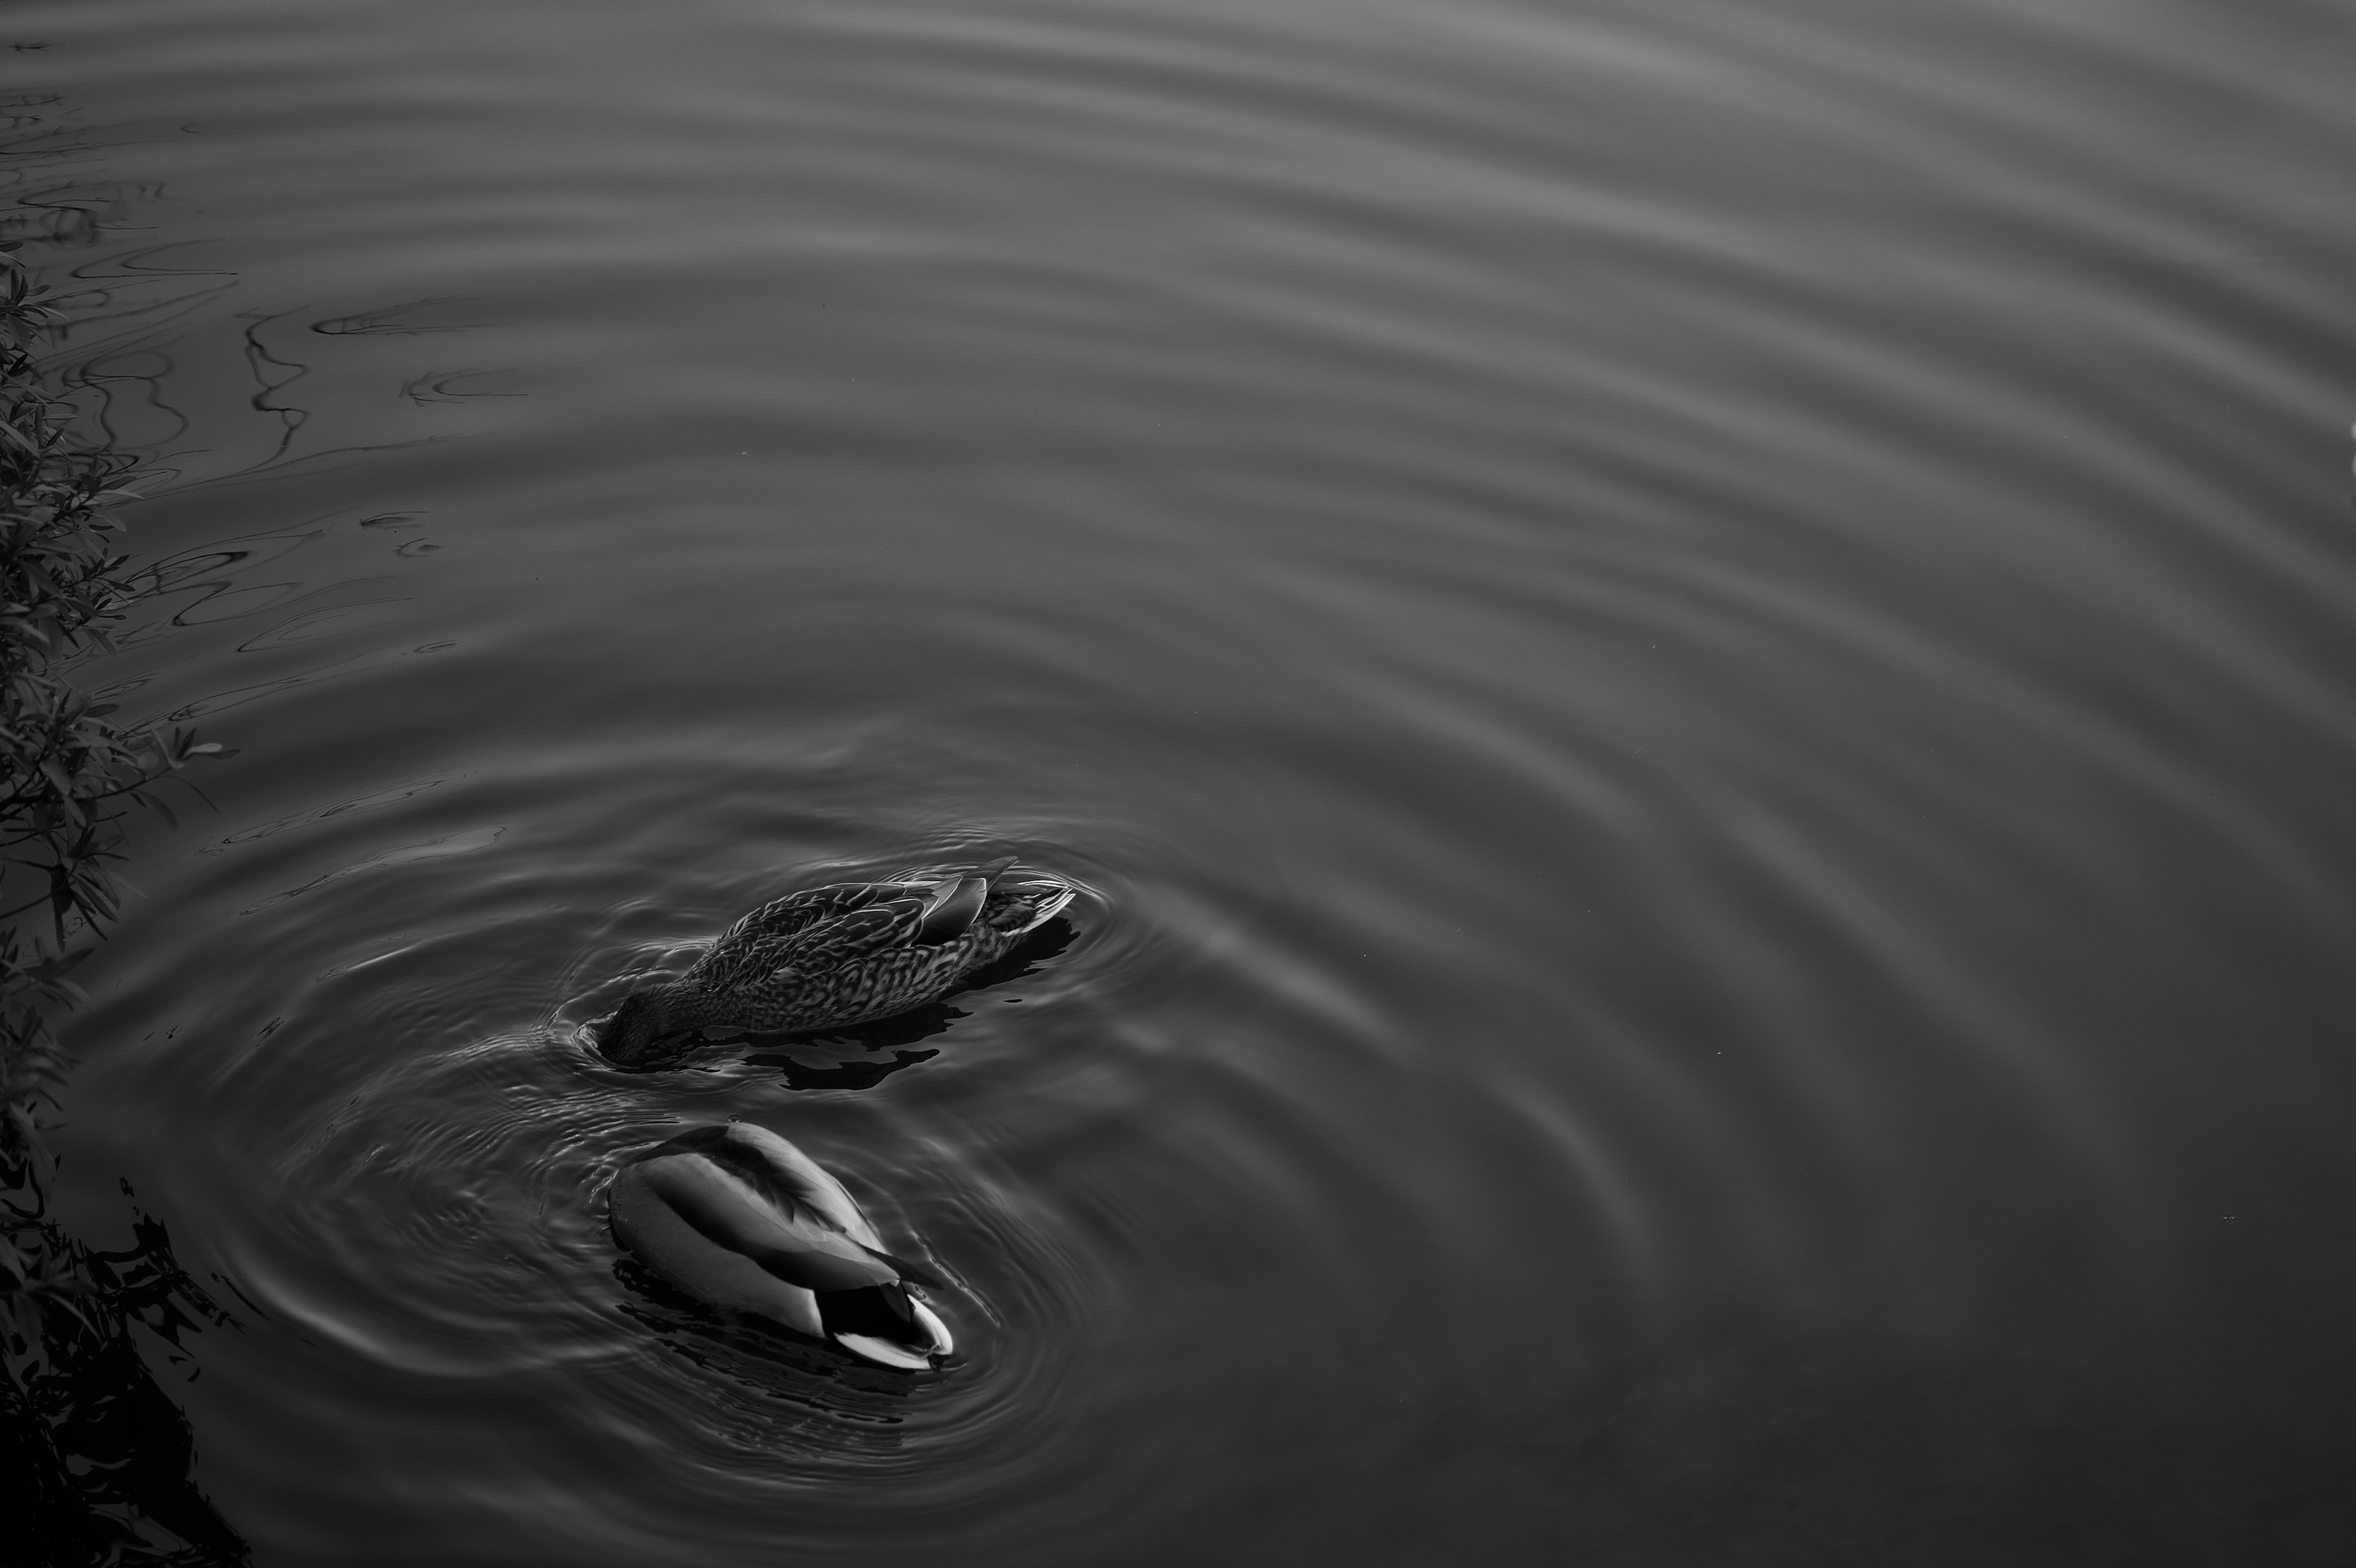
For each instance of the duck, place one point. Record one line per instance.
(845, 954)
(737, 1217)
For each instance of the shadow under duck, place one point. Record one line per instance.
(846, 953)
(742, 1219)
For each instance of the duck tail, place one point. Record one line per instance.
(1052, 897)
(884, 1324)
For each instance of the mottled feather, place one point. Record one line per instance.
(840, 954)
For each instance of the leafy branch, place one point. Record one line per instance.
(69, 775)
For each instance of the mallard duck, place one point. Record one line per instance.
(839, 955)
(740, 1219)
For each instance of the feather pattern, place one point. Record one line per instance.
(846, 953)
(739, 1218)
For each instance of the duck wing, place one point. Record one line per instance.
(786, 1176)
(952, 914)
(798, 911)
(790, 1241)
(979, 896)
(759, 944)
(848, 938)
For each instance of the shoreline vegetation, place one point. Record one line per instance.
(72, 775)
(95, 1460)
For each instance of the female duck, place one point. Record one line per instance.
(839, 955)
(740, 1219)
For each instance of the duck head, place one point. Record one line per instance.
(644, 1018)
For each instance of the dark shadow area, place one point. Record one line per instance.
(96, 1462)
(802, 1075)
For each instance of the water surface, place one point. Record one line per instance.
(1697, 656)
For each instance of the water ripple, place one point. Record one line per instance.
(1695, 656)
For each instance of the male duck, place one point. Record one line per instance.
(739, 1218)
(840, 954)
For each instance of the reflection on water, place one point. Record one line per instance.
(1698, 657)
(432, 849)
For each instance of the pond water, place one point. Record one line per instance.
(1698, 658)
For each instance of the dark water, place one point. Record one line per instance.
(1698, 657)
